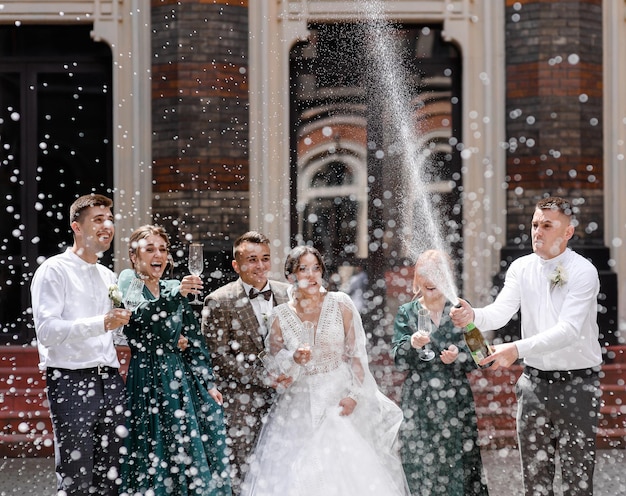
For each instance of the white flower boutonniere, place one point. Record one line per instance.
(115, 295)
(558, 278)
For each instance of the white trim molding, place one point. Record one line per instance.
(614, 74)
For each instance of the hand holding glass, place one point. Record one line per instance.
(425, 327)
(196, 264)
(134, 295)
(306, 341)
(270, 365)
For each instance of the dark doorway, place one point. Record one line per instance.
(56, 144)
(340, 128)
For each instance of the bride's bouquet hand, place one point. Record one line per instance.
(282, 382)
(347, 406)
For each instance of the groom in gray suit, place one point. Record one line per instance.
(234, 321)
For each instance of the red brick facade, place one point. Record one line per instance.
(554, 110)
(200, 117)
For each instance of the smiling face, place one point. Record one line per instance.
(252, 263)
(93, 232)
(551, 230)
(308, 274)
(150, 257)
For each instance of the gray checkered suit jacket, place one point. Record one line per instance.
(234, 340)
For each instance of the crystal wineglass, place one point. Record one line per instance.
(196, 264)
(134, 295)
(425, 327)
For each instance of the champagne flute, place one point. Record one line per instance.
(196, 264)
(269, 363)
(307, 340)
(134, 295)
(425, 327)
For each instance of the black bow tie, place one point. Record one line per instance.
(267, 294)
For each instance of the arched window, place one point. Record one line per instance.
(350, 203)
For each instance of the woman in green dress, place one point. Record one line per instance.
(176, 436)
(439, 448)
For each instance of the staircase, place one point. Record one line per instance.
(496, 405)
(25, 427)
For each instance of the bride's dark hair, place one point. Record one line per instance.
(293, 260)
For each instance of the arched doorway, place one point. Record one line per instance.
(347, 197)
(56, 127)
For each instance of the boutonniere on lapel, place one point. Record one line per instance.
(558, 277)
(115, 295)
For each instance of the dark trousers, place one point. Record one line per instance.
(558, 416)
(87, 411)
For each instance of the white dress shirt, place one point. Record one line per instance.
(70, 298)
(262, 307)
(559, 323)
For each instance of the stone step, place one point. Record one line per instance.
(613, 373)
(19, 357)
(19, 400)
(22, 378)
(26, 445)
(615, 354)
(25, 428)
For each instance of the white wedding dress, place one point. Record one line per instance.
(306, 448)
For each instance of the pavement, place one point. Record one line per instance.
(35, 476)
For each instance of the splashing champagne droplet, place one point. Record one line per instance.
(420, 231)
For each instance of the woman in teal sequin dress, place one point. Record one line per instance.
(439, 434)
(176, 436)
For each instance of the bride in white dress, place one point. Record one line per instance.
(331, 432)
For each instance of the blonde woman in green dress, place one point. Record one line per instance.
(439, 434)
(176, 437)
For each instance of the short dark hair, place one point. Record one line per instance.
(555, 203)
(84, 202)
(293, 260)
(250, 237)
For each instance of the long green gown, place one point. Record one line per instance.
(177, 440)
(439, 449)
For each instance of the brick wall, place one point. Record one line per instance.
(554, 111)
(200, 119)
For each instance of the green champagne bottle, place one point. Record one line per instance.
(477, 345)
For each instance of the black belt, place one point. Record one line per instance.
(102, 370)
(562, 375)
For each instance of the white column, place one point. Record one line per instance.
(270, 41)
(614, 74)
(128, 34)
(480, 36)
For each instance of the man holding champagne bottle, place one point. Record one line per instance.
(558, 394)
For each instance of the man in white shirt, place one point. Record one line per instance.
(558, 394)
(74, 319)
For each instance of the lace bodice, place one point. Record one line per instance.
(326, 452)
(329, 339)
